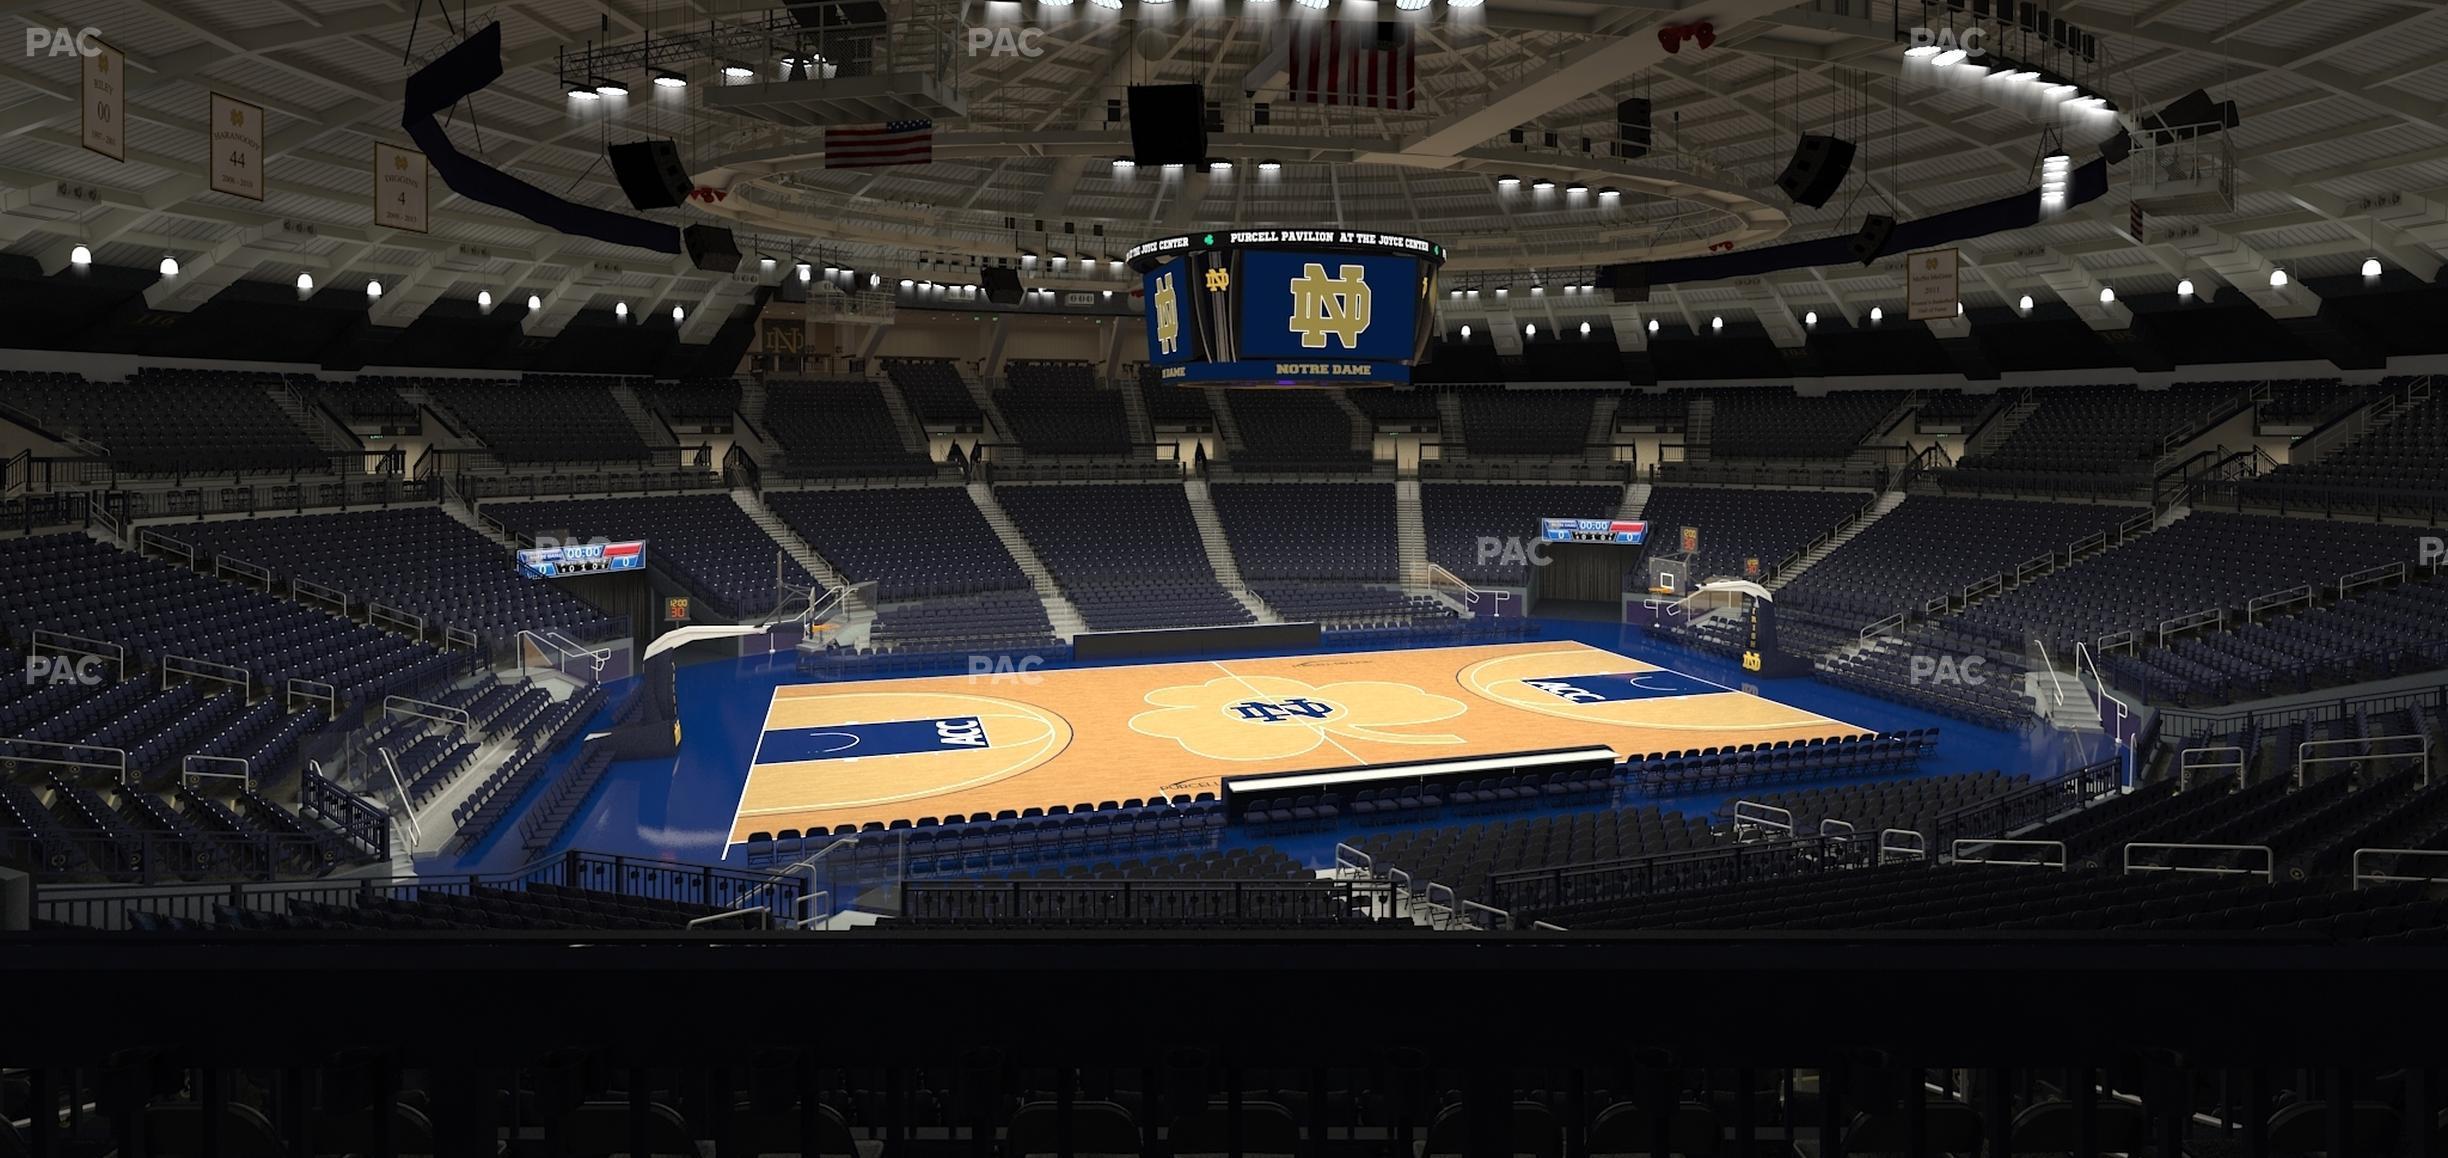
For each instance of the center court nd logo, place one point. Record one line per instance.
(1168, 315)
(1274, 717)
(1336, 307)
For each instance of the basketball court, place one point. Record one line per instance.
(885, 750)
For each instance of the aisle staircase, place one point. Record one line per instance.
(650, 426)
(1599, 445)
(1135, 415)
(1886, 502)
(1410, 536)
(1635, 500)
(1219, 550)
(913, 434)
(1060, 611)
(1699, 421)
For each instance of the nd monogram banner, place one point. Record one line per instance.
(1296, 305)
(1172, 333)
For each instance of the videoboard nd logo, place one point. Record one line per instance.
(1335, 307)
(1219, 280)
(1168, 315)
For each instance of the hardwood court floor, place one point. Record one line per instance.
(886, 750)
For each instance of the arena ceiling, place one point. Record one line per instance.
(2342, 154)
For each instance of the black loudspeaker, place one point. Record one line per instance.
(1632, 131)
(1003, 282)
(711, 248)
(1872, 240)
(651, 174)
(1819, 165)
(1625, 283)
(1168, 124)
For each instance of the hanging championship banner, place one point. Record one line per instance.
(399, 188)
(105, 97)
(1931, 286)
(237, 144)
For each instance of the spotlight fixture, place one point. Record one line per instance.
(1219, 166)
(1456, 295)
(581, 91)
(1610, 193)
(1270, 166)
(905, 283)
(1542, 185)
(1949, 58)
(169, 267)
(1315, 4)
(1716, 323)
(2371, 266)
(1508, 181)
(1530, 329)
(1410, 5)
(620, 310)
(678, 313)
(2025, 304)
(1653, 326)
(2107, 296)
(1811, 318)
(1124, 164)
(1877, 315)
(534, 302)
(2278, 279)
(765, 264)
(666, 78)
(2184, 289)
(305, 283)
(373, 289)
(806, 273)
(610, 88)
(874, 280)
(1464, 3)
(1576, 189)
(1959, 309)
(1921, 52)
(1108, 5)
(80, 256)
(484, 300)
(737, 71)
(1466, 331)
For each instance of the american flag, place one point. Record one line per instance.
(1336, 62)
(876, 146)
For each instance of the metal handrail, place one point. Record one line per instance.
(1917, 850)
(2186, 765)
(807, 862)
(1829, 824)
(245, 773)
(1761, 816)
(1955, 852)
(564, 647)
(1502, 919)
(2360, 876)
(1451, 904)
(1345, 856)
(428, 710)
(2268, 870)
(407, 809)
(2421, 753)
(759, 910)
(1550, 926)
(7, 758)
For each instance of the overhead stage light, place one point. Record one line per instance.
(305, 283)
(1877, 314)
(2278, 279)
(666, 78)
(1653, 326)
(610, 88)
(678, 314)
(1716, 324)
(1811, 318)
(484, 300)
(373, 289)
(1921, 52)
(2025, 304)
(1270, 166)
(534, 303)
(2371, 266)
(1949, 58)
(1466, 331)
(169, 267)
(737, 71)
(1610, 193)
(2107, 296)
(1541, 185)
(620, 310)
(2184, 289)
(581, 91)
(1508, 181)
(1530, 329)
(80, 256)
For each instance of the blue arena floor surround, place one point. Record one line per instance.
(683, 808)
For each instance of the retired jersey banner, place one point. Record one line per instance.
(237, 136)
(105, 100)
(1328, 305)
(399, 188)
